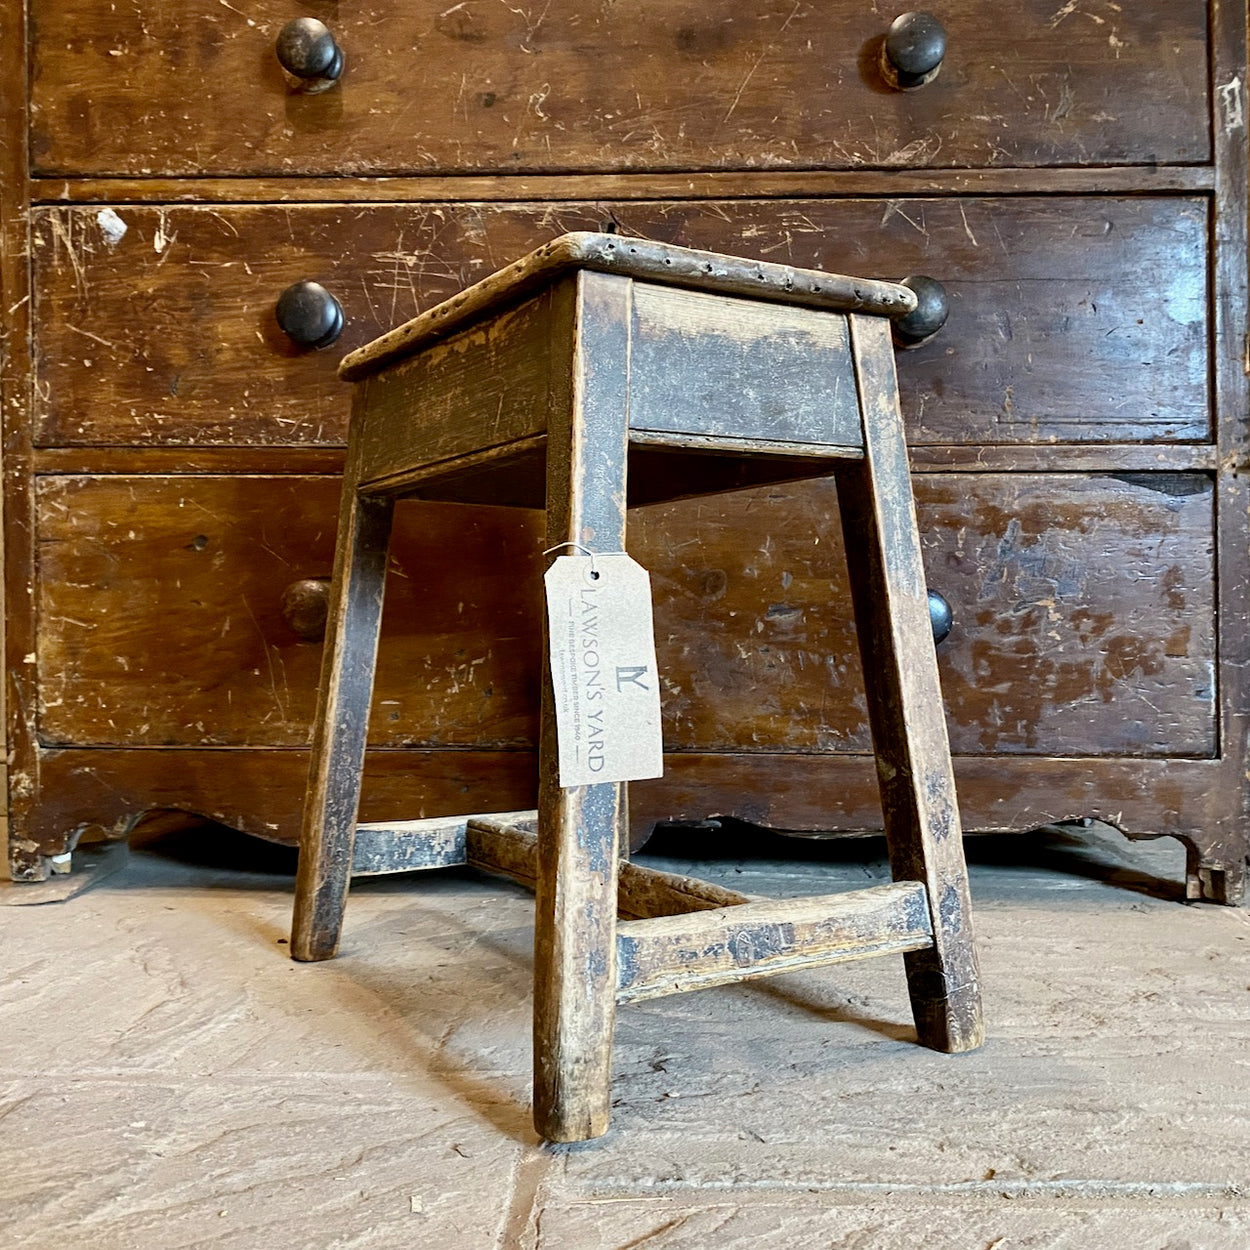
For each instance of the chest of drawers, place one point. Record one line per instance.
(1074, 177)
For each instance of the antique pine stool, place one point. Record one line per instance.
(598, 361)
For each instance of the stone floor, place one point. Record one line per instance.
(168, 1078)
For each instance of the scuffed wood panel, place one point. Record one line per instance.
(1072, 320)
(162, 615)
(704, 365)
(1083, 609)
(487, 386)
(1084, 615)
(658, 84)
(262, 791)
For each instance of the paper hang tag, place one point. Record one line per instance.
(603, 674)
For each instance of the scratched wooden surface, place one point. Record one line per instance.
(647, 260)
(1082, 604)
(483, 387)
(607, 335)
(1073, 175)
(149, 89)
(761, 371)
(584, 829)
(1056, 332)
(341, 722)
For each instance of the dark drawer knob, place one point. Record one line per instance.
(913, 50)
(306, 49)
(309, 315)
(940, 616)
(305, 605)
(928, 317)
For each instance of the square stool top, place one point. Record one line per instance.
(721, 372)
(662, 263)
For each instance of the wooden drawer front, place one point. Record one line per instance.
(1083, 607)
(658, 84)
(161, 605)
(1083, 615)
(1072, 320)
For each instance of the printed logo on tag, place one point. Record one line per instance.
(603, 674)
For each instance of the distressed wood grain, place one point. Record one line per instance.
(582, 964)
(1074, 597)
(482, 388)
(676, 954)
(27, 858)
(1083, 606)
(120, 90)
(200, 651)
(341, 722)
(744, 184)
(1049, 316)
(582, 830)
(507, 843)
(649, 260)
(919, 809)
(1231, 321)
(703, 369)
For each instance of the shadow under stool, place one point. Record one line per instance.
(601, 371)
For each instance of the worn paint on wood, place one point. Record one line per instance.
(483, 388)
(909, 740)
(407, 845)
(1083, 615)
(706, 366)
(507, 843)
(582, 830)
(341, 722)
(581, 967)
(675, 954)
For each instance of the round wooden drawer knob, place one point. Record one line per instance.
(307, 50)
(940, 616)
(912, 52)
(305, 605)
(309, 315)
(929, 316)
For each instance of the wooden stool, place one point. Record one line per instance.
(702, 373)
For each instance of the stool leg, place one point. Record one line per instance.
(904, 698)
(580, 829)
(328, 832)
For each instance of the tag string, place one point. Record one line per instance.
(594, 572)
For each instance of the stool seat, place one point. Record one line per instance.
(597, 373)
(632, 258)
